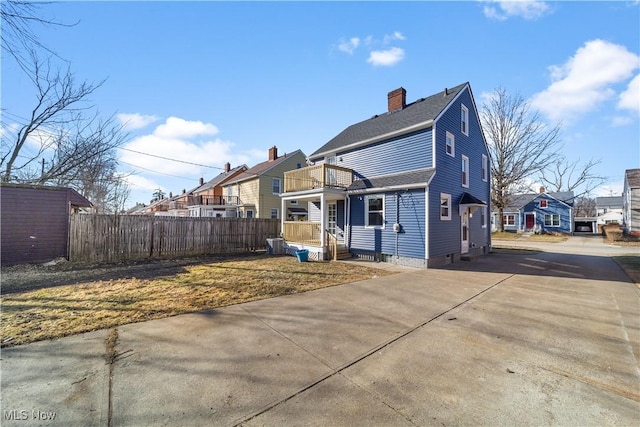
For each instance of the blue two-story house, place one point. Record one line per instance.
(408, 186)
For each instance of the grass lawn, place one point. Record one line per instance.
(550, 238)
(53, 311)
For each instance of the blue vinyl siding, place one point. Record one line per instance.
(407, 208)
(445, 236)
(554, 207)
(402, 154)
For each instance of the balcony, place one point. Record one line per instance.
(212, 200)
(317, 176)
(177, 205)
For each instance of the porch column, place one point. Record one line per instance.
(283, 213)
(323, 219)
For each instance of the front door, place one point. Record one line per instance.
(465, 232)
(530, 221)
(332, 219)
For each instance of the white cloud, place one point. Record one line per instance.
(502, 10)
(176, 127)
(387, 57)
(142, 183)
(585, 80)
(630, 98)
(379, 54)
(606, 190)
(186, 142)
(136, 121)
(348, 46)
(397, 35)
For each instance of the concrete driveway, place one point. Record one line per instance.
(548, 338)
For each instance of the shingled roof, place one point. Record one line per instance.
(420, 111)
(399, 180)
(633, 177)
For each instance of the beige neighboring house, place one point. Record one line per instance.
(258, 189)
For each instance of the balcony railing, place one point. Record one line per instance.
(212, 200)
(177, 205)
(302, 232)
(317, 176)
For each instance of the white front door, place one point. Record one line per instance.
(465, 231)
(333, 217)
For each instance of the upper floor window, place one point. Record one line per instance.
(464, 120)
(274, 213)
(451, 144)
(485, 168)
(275, 184)
(445, 206)
(465, 171)
(543, 204)
(374, 211)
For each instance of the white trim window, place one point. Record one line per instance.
(445, 207)
(293, 202)
(485, 168)
(464, 120)
(450, 144)
(552, 220)
(274, 213)
(509, 219)
(465, 171)
(374, 211)
(543, 203)
(483, 217)
(249, 213)
(275, 185)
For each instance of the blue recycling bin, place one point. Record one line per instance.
(302, 255)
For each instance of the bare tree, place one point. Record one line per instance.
(18, 37)
(584, 207)
(520, 145)
(564, 175)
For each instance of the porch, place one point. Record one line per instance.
(323, 189)
(309, 235)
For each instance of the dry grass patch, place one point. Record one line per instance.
(60, 310)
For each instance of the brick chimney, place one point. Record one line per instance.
(273, 153)
(201, 181)
(542, 190)
(397, 99)
(227, 167)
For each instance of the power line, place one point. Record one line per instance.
(172, 160)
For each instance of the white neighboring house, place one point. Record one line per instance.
(631, 202)
(608, 210)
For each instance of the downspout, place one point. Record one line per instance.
(397, 220)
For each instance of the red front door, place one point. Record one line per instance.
(529, 220)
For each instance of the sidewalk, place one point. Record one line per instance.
(508, 339)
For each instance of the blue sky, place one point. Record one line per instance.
(216, 82)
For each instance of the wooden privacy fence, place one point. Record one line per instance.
(97, 238)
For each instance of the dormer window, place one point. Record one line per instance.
(464, 120)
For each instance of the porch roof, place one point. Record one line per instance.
(413, 179)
